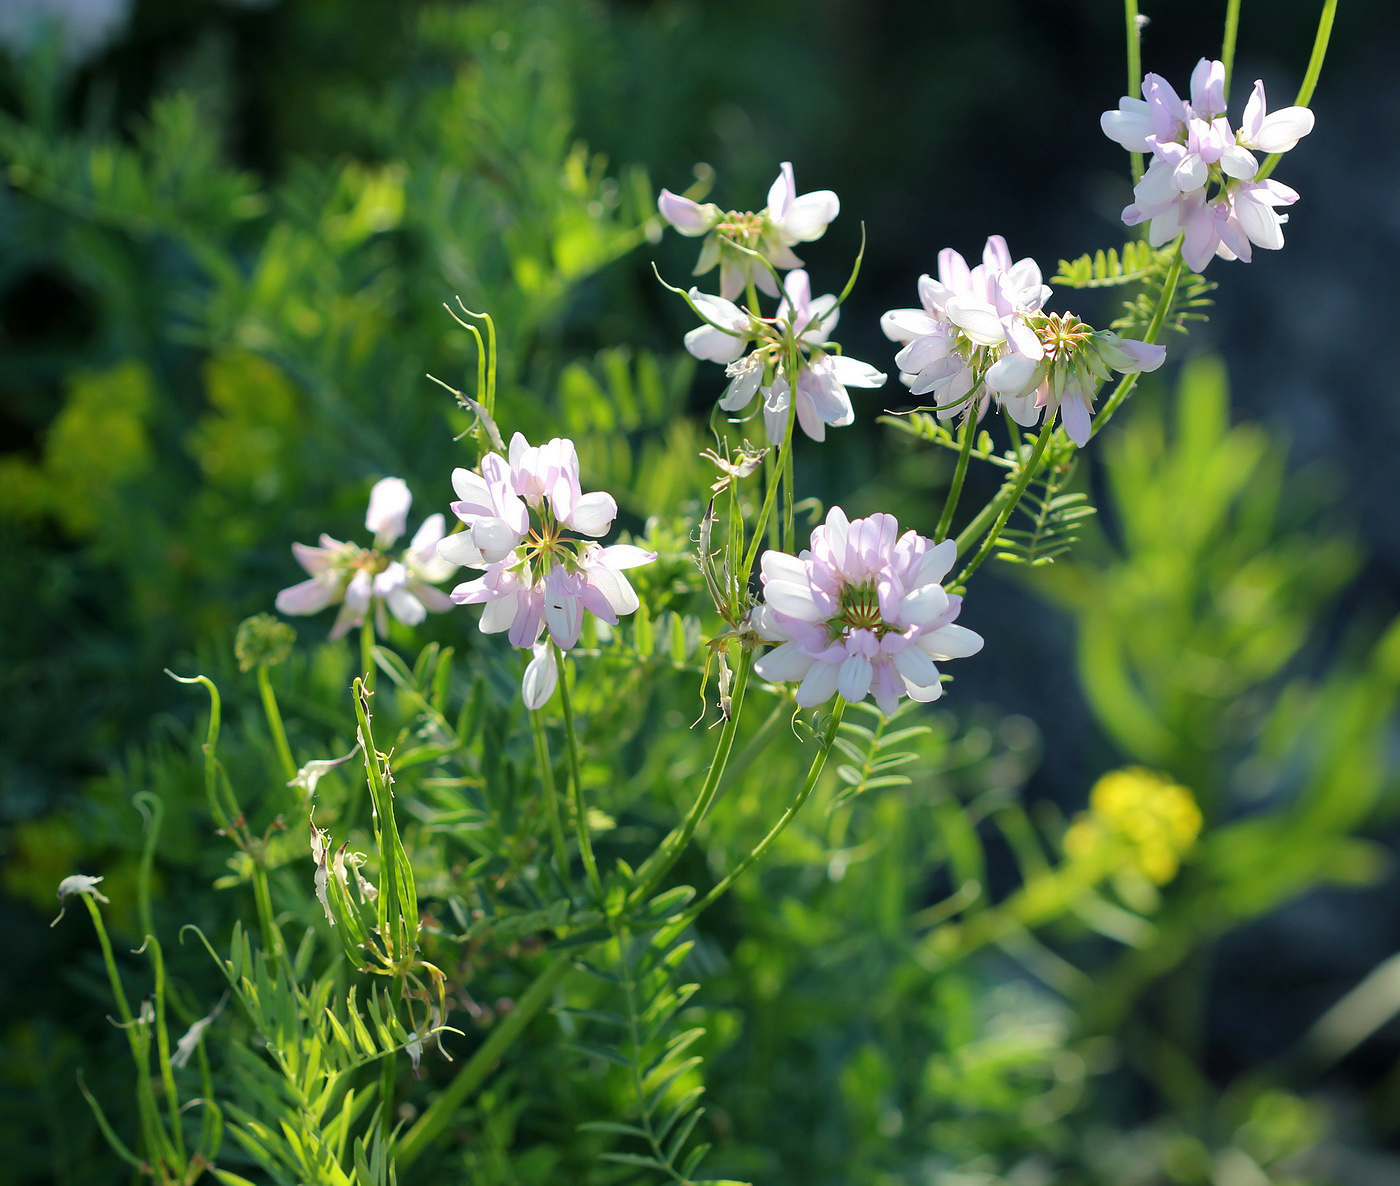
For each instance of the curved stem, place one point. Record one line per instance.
(656, 866)
(945, 520)
(585, 844)
(436, 1116)
(1227, 49)
(1028, 469)
(367, 664)
(1154, 327)
(1134, 31)
(551, 794)
(813, 773)
(274, 722)
(1305, 92)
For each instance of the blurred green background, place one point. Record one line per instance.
(226, 233)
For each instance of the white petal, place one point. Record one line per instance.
(916, 667)
(819, 684)
(853, 677)
(784, 665)
(389, 501)
(979, 321)
(541, 677)
(459, 549)
(308, 597)
(808, 217)
(936, 563)
(951, 642)
(779, 566)
(593, 514)
(923, 605)
(625, 556)
(797, 601)
(851, 372)
(690, 218)
(1283, 129)
(714, 345)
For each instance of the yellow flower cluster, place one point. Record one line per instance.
(1141, 814)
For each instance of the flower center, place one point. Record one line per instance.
(742, 227)
(860, 610)
(1062, 336)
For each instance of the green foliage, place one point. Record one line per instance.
(1109, 269)
(1055, 515)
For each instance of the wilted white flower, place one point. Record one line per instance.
(77, 883)
(788, 219)
(365, 580)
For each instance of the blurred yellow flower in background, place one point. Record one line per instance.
(1149, 821)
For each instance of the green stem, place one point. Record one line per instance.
(656, 866)
(784, 465)
(1305, 92)
(439, 1113)
(814, 772)
(945, 520)
(1227, 49)
(1130, 13)
(585, 843)
(551, 795)
(386, 1095)
(367, 663)
(274, 722)
(1154, 327)
(1028, 470)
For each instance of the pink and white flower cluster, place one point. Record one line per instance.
(369, 579)
(519, 512)
(788, 219)
(862, 612)
(982, 334)
(1201, 176)
(801, 321)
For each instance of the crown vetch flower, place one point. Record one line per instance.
(362, 580)
(802, 321)
(861, 612)
(1201, 177)
(973, 323)
(788, 219)
(518, 512)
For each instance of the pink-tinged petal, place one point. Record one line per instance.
(818, 685)
(1011, 374)
(625, 556)
(779, 566)
(405, 606)
(809, 216)
(996, 255)
(851, 372)
(308, 597)
(690, 218)
(935, 565)
(458, 549)
(784, 665)
(1202, 238)
(313, 560)
(902, 325)
(541, 677)
(347, 620)
(1254, 111)
(808, 418)
(951, 642)
(776, 402)
(978, 320)
(1208, 89)
(593, 514)
(434, 600)
(359, 592)
(782, 191)
(1259, 222)
(853, 678)
(1074, 415)
(1190, 174)
(495, 539)
(615, 588)
(796, 601)
(1129, 126)
(423, 545)
(923, 694)
(474, 592)
(525, 627)
(1283, 129)
(1023, 408)
(715, 345)
(389, 500)
(1239, 162)
(915, 666)
(923, 606)
(500, 615)
(953, 272)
